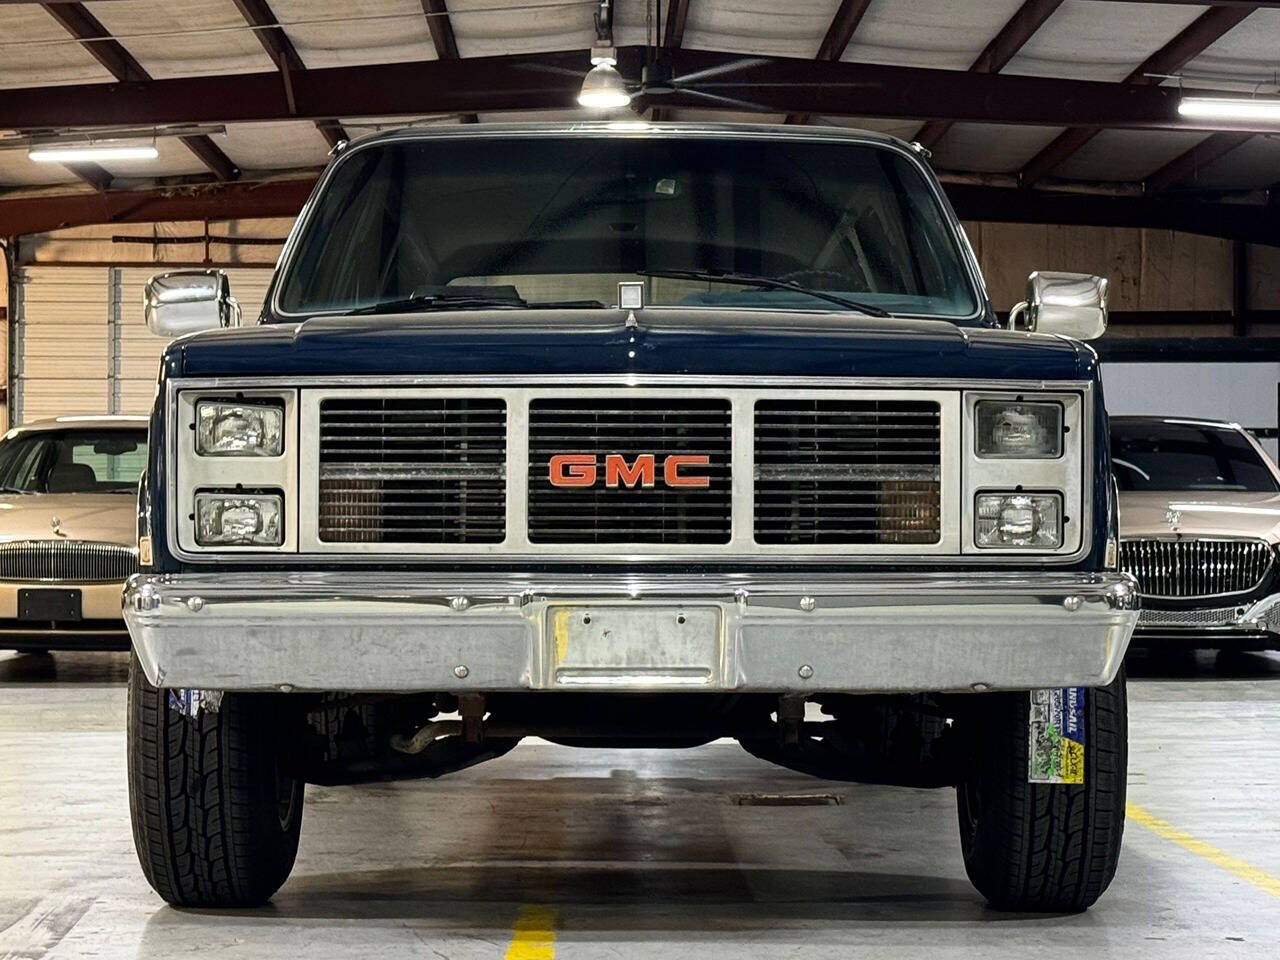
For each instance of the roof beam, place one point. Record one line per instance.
(258, 14)
(551, 81)
(122, 65)
(843, 26)
(92, 174)
(39, 214)
(446, 44)
(1202, 33)
(1003, 47)
(672, 37)
(1254, 223)
(1183, 166)
(673, 29)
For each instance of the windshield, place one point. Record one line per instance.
(1181, 456)
(68, 461)
(561, 221)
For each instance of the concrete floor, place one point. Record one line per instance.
(645, 853)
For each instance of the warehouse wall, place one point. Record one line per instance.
(86, 349)
(1149, 270)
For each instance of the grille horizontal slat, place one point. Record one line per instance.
(1196, 568)
(412, 470)
(74, 561)
(847, 471)
(600, 514)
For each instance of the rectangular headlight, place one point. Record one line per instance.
(1019, 520)
(231, 429)
(1011, 429)
(239, 519)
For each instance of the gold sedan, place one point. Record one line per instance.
(68, 530)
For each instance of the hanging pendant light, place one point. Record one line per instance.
(603, 87)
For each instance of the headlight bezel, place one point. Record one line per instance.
(193, 473)
(262, 408)
(1071, 474)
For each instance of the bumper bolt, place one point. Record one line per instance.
(195, 604)
(459, 603)
(805, 672)
(808, 604)
(1072, 603)
(461, 671)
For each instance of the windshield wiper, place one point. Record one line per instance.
(437, 301)
(13, 490)
(768, 283)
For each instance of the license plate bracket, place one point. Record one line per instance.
(47, 604)
(635, 646)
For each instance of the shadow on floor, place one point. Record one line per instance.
(64, 667)
(1188, 664)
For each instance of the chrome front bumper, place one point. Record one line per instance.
(360, 631)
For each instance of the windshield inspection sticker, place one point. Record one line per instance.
(1055, 736)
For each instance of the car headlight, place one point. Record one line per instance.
(229, 429)
(1031, 520)
(239, 519)
(1016, 429)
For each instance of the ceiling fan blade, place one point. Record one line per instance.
(730, 102)
(724, 68)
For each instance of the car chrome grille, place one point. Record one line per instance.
(1199, 617)
(848, 472)
(1196, 568)
(71, 560)
(412, 470)
(632, 428)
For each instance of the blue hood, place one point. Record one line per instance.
(667, 341)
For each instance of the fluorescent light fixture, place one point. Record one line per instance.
(1230, 108)
(602, 87)
(85, 153)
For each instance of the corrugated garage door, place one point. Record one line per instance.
(82, 345)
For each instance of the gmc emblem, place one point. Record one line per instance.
(582, 470)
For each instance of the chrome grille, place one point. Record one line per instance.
(1199, 617)
(631, 428)
(848, 471)
(412, 470)
(1195, 567)
(71, 560)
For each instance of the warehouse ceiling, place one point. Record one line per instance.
(1034, 109)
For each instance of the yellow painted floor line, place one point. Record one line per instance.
(533, 937)
(1266, 882)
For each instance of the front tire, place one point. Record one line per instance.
(215, 820)
(1043, 847)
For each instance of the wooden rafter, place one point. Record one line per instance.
(1003, 47)
(677, 16)
(548, 81)
(1202, 33)
(258, 14)
(1184, 166)
(284, 197)
(442, 37)
(122, 65)
(843, 26)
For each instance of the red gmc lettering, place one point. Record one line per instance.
(671, 470)
(572, 470)
(617, 473)
(581, 470)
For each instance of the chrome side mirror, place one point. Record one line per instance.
(1070, 304)
(188, 301)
